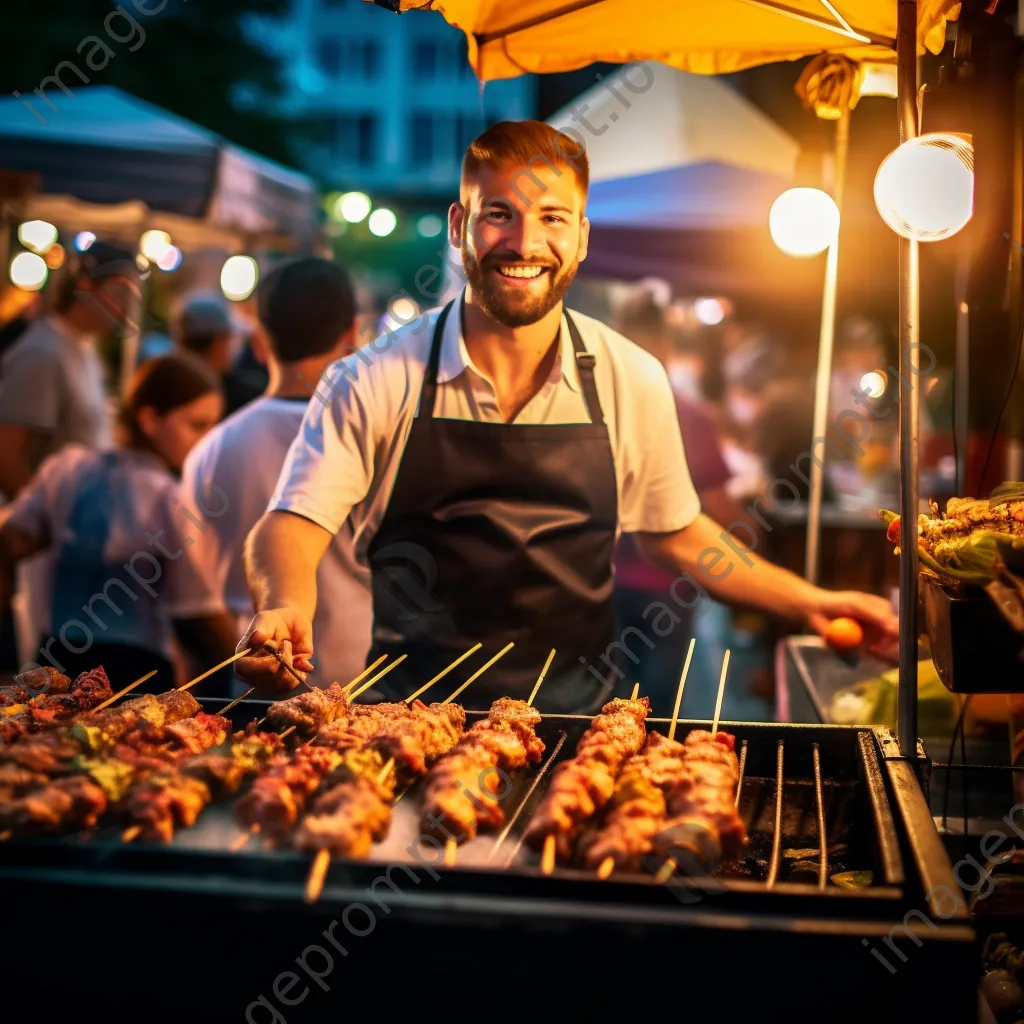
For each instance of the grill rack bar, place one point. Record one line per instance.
(819, 804)
(522, 803)
(773, 866)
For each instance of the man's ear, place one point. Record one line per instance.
(456, 219)
(258, 344)
(581, 253)
(148, 419)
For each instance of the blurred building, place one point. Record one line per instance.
(388, 102)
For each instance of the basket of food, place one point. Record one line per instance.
(972, 588)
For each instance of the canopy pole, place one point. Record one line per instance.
(909, 398)
(826, 339)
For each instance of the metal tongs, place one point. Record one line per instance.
(284, 664)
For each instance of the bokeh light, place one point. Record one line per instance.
(37, 235)
(28, 271)
(238, 277)
(353, 207)
(382, 222)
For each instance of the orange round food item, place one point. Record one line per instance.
(844, 634)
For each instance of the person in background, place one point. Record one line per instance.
(638, 583)
(51, 378)
(125, 572)
(307, 310)
(205, 327)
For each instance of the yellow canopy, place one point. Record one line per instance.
(709, 37)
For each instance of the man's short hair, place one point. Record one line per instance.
(521, 146)
(305, 305)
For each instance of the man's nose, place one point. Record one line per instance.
(526, 236)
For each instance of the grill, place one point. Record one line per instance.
(770, 933)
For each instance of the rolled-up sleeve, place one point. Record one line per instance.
(656, 492)
(329, 467)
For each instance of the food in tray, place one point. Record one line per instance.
(460, 793)
(27, 708)
(666, 791)
(581, 786)
(961, 543)
(309, 711)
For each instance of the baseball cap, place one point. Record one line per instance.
(102, 260)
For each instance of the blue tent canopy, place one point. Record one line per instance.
(104, 146)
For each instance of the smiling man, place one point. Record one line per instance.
(487, 460)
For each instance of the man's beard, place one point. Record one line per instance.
(515, 307)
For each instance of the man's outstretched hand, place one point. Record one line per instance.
(285, 630)
(881, 627)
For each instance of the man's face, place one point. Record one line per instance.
(109, 301)
(522, 235)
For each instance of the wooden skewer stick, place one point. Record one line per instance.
(440, 675)
(540, 678)
(352, 683)
(636, 691)
(479, 672)
(317, 874)
(127, 689)
(679, 692)
(216, 668)
(227, 707)
(605, 868)
(288, 731)
(129, 835)
(451, 852)
(547, 857)
(377, 678)
(721, 694)
(666, 871)
(386, 771)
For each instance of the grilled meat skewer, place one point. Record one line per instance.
(582, 786)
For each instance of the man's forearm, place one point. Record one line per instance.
(281, 559)
(720, 564)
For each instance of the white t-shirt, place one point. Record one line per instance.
(342, 465)
(228, 480)
(123, 552)
(51, 381)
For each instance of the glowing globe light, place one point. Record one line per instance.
(925, 188)
(37, 235)
(28, 271)
(170, 259)
(429, 226)
(873, 384)
(153, 244)
(382, 222)
(83, 240)
(709, 311)
(238, 277)
(353, 207)
(804, 221)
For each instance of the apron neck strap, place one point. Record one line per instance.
(430, 379)
(584, 363)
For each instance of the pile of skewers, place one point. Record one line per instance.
(155, 762)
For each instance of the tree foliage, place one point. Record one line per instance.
(188, 56)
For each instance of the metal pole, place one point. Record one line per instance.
(826, 337)
(962, 369)
(906, 712)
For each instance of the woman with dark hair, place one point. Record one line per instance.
(125, 574)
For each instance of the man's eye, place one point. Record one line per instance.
(553, 218)
(497, 215)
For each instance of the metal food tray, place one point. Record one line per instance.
(242, 914)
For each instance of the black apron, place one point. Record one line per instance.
(499, 533)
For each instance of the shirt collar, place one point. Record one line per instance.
(455, 358)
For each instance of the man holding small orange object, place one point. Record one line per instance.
(511, 441)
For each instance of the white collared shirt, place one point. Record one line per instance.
(345, 459)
